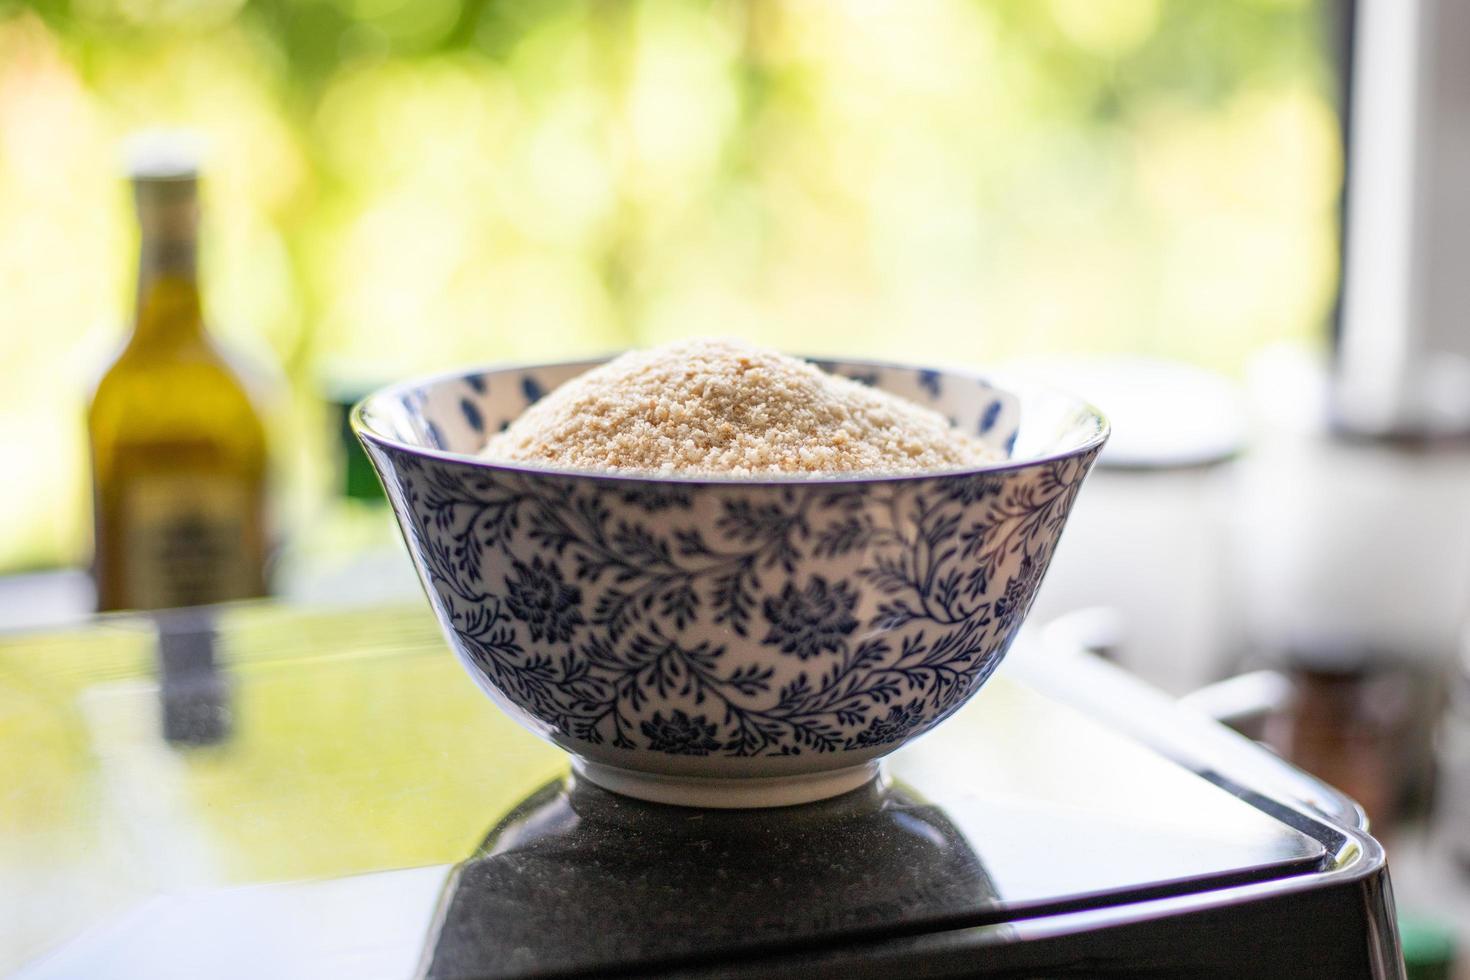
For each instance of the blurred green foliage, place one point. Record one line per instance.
(403, 185)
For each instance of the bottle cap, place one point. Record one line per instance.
(164, 165)
(163, 156)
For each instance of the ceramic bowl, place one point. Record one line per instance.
(728, 642)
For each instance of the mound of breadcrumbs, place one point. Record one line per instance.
(727, 407)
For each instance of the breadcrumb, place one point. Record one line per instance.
(725, 407)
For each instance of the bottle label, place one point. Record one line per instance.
(186, 541)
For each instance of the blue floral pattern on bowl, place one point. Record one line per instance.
(728, 628)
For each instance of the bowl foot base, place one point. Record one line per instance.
(727, 794)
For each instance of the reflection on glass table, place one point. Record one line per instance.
(563, 880)
(344, 802)
(353, 744)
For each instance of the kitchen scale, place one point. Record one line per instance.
(1068, 822)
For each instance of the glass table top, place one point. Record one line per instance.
(327, 794)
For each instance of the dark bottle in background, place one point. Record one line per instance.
(178, 449)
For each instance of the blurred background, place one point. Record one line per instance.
(399, 187)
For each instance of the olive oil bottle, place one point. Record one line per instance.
(178, 449)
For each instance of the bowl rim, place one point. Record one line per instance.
(1015, 386)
